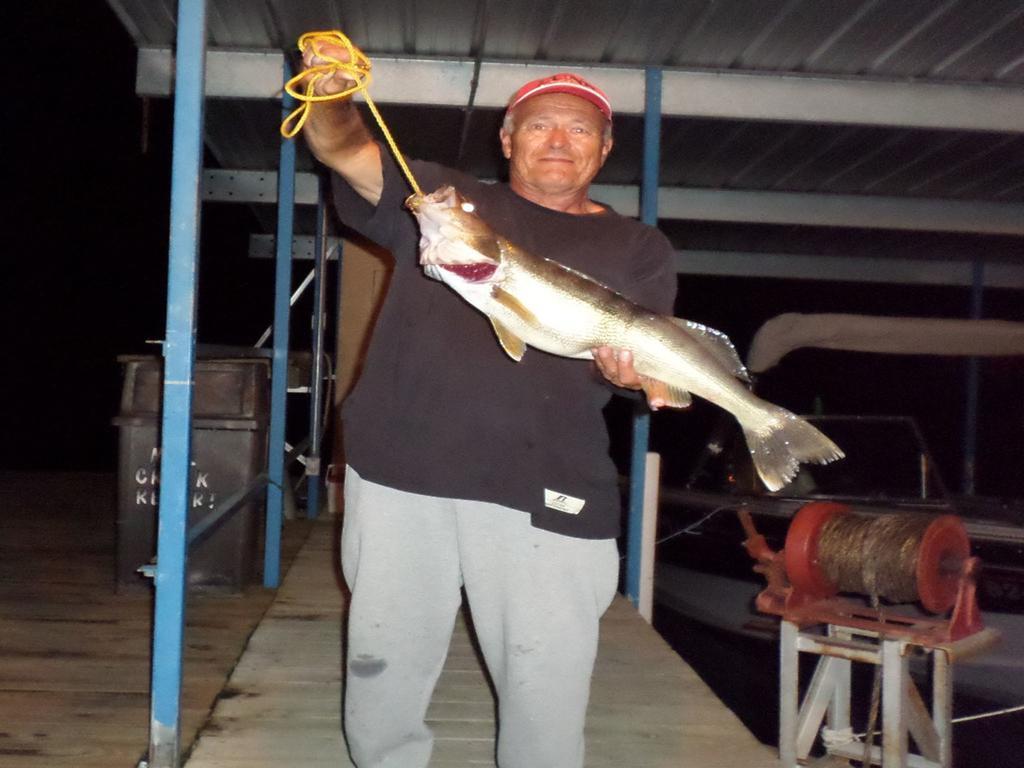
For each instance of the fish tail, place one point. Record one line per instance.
(780, 441)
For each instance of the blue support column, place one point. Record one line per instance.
(316, 409)
(279, 366)
(179, 364)
(973, 384)
(641, 417)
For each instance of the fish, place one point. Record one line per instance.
(532, 301)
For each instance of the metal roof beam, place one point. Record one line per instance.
(814, 210)
(798, 98)
(713, 94)
(786, 266)
(229, 74)
(822, 210)
(303, 247)
(856, 269)
(233, 186)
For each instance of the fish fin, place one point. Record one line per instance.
(718, 344)
(514, 346)
(673, 397)
(514, 305)
(781, 442)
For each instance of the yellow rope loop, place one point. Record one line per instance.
(357, 68)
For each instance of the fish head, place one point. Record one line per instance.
(456, 246)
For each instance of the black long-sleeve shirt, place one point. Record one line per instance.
(441, 410)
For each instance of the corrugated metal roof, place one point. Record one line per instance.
(727, 154)
(959, 40)
(979, 43)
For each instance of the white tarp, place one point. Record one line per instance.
(893, 335)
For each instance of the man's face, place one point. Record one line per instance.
(557, 145)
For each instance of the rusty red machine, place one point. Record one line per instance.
(843, 629)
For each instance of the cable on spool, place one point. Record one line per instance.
(899, 558)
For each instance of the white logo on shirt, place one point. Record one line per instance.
(563, 502)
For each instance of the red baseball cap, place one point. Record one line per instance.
(564, 82)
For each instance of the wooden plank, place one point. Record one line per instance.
(74, 652)
(648, 708)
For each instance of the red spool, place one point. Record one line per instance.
(944, 548)
(801, 552)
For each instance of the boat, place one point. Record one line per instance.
(703, 573)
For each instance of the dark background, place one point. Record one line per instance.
(89, 206)
(88, 171)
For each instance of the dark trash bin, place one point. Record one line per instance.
(230, 407)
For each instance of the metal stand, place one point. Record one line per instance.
(904, 713)
(799, 594)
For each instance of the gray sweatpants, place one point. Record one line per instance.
(536, 599)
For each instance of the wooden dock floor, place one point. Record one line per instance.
(282, 704)
(74, 652)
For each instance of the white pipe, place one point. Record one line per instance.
(649, 524)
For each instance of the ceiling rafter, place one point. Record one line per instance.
(703, 93)
(800, 208)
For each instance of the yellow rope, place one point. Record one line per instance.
(358, 68)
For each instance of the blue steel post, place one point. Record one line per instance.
(973, 383)
(279, 366)
(316, 414)
(179, 363)
(641, 417)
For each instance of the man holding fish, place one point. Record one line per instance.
(467, 469)
(475, 463)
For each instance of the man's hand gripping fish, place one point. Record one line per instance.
(538, 302)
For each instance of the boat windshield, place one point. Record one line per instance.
(885, 459)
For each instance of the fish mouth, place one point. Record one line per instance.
(480, 272)
(446, 195)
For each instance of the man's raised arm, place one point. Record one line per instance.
(336, 133)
